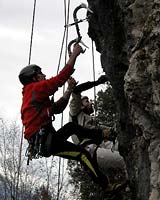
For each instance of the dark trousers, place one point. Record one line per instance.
(55, 143)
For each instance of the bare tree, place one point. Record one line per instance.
(19, 181)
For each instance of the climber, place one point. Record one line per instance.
(80, 112)
(37, 112)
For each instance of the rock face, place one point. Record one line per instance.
(127, 34)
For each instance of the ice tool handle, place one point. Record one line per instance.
(76, 23)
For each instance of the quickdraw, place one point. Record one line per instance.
(76, 23)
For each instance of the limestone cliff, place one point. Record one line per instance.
(127, 34)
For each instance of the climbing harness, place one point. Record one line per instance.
(76, 23)
(34, 149)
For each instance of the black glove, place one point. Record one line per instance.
(87, 85)
(83, 87)
(102, 79)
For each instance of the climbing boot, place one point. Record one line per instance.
(115, 188)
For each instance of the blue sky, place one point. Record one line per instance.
(15, 31)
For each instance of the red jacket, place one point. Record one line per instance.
(36, 106)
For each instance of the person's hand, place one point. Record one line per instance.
(109, 134)
(71, 83)
(77, 49)
(102, 79)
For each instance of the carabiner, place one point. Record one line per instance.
(76, 22)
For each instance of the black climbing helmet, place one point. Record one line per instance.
(27, 73)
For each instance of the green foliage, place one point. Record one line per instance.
(106, 113)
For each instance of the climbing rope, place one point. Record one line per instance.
(64, 40)
(77, 40)
(32, 30)
(94, 79)
(64, 36)
(21, 140)
(19, 163)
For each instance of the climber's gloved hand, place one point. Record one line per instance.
(71, 84)
(109, 134)
(102, 79)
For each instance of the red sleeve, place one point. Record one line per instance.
(64, 75)
(48, 87)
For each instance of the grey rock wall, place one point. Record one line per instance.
(127, 34)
